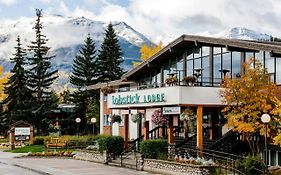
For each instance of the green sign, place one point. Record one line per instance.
(136, 99)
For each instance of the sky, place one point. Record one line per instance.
(161, 20)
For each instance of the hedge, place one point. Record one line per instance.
(71, 141)
(154, 149)
(112, 144)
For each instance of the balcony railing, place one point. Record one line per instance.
(204, 81)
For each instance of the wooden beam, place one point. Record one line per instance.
(200, 130)
(126, 128)
(171, 130)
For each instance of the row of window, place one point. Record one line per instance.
(211, 69)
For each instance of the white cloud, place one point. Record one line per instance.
(166, 19)
(7, 2)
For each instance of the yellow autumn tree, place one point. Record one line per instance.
(246, 99)
(148, 51)
(3, 80)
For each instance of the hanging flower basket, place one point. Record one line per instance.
(158, 118)
(107, 90)
(136, 118)
(171, 80)
(116, 118)
(187, 114)
(189, 80)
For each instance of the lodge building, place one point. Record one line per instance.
(145, 89)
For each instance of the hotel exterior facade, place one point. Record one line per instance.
(145, 89)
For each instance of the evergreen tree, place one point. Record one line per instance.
(83, 73)
(18, 94)
(40, 77)
(109, 60)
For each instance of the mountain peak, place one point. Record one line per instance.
(246, 34)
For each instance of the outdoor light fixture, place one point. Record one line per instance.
(77, 120)
(265, 118)
(93, 121)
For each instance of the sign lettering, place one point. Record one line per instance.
(136, 99)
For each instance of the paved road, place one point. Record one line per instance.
(57, 166)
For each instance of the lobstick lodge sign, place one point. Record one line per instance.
(137, 99)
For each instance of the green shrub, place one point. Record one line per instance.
(251, 165)
(112, 144)
(38, 140)
(154, 149)
(82, 141)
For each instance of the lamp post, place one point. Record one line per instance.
(93, 121)
(77, 120)
(265, 118)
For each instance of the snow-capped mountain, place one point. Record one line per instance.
(66, 36)
(244, 34)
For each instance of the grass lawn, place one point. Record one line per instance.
(4, 140)
(26, 149)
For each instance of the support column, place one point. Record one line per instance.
(200, 130)
(171, 130)
(31, 135)
(146, 130)
(126, 128)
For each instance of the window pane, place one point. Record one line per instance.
(236, 64)
(249, 55)
(278, 71)
(259, 57)
(189, 65)
(197, 52)
(226, 61)
(205, 51)
(206, 71)
(269, 65)
(217, 68)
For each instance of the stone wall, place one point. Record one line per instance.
(89, 156)
(174, 168)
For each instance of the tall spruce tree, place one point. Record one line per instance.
(83, 75)
(18, 94)
(40, 75)
(109, 60)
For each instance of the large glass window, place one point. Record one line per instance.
(206, 66)
(226, 60)
(206, 70)
(217, 65)
(236, 64)
(278, 71)
(269, 65)
(259, 57)
(249, 55)
(189, 64)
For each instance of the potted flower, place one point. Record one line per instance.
(107, 90)
(136, 118)
(158, 118)
(171, 80)
(189, 80)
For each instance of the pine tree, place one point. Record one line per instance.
(110, 57)
(83, 73)
(40, 77)
(18, 94)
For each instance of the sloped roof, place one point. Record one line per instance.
(187, 40)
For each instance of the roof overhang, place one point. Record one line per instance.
(185, 41)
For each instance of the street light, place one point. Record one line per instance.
(77, 120)
(93, 121)
(265, 118)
